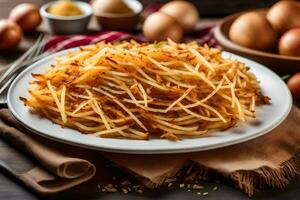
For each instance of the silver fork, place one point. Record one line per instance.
(4, 88)
(34, 51)
(3, 95)
(26, 59)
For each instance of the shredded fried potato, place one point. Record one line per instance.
(138, 91)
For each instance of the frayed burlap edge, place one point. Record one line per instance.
(252, 180)
(249, 181)
(188, 165)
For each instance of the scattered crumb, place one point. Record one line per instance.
(140, 191)
(127, 182)
(124, 191)
(110, 188)
(198, 187)
(136, 186)
(126, 186)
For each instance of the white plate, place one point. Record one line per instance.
(268, 117)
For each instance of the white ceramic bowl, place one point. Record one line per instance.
(67, 24)
(121, 21)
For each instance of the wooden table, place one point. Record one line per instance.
(10, 189)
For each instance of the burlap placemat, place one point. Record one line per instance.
(271, 160)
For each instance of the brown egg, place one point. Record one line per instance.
(10, 34)
(294, 85)
(284, 15)
(111, 6)
(27, 16)
(289, 43)
(160, 26)
(184, 12)
(253, 30)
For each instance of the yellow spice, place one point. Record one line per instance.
(65, 8)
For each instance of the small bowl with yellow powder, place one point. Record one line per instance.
(66, 16)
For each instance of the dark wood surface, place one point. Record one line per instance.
(11, 189)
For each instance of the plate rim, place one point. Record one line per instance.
(145, 151)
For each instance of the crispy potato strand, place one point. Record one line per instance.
(141, 91)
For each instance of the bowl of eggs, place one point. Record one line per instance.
(269, 36)
(23, 18)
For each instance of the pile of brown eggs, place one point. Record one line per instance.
(278, 31)
(171, 21)
(23, 18)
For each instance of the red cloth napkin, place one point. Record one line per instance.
(204, 35)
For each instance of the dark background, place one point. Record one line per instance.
(207, 8)
(218, 8)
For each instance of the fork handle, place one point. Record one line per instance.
(28, 54)
(7, 83)
(8, 76)
(4, 69)
(20, 68)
